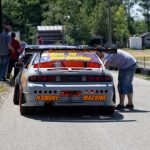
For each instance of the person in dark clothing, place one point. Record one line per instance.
(14, 56)
(39, 40)
(5, 49)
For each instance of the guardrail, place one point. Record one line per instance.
(143, 64)
(143, 67)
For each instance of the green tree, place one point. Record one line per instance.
(23, 16)
(145, 4)
(140, 27)
(72, 15)
(98, 20)
(120, 26)
(81, 18)
(128, 4)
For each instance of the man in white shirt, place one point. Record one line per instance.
(126, 65)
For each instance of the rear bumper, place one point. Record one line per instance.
(38, 89)
(59, 103)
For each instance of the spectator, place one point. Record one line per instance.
(14, 56)
(22, 47)
(5, 49)
(126, 64)
(39, 40)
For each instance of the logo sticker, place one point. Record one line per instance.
(94, 97)
(47, 98)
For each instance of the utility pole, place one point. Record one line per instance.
(0, 16)
(109, 24)
(148, 16)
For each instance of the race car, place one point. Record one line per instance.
(64, 76)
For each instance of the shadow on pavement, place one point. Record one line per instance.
(76, 115)
(11, 82)
(135, 111)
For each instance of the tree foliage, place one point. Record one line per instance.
(121, 32)
(23, 15)
(81, 18)
(145, 4)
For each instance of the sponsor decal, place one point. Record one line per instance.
(47, 98)
(94, 97)
(63, 56)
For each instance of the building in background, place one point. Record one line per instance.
(51, 34)
(135, 43)
(146, 40)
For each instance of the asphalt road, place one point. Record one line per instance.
(78, 129)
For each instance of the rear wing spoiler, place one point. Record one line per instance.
(31, 49)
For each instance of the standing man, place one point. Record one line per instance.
(13, 56)
(5, 48)
(39, 40)
(126, 64)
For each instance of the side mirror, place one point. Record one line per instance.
(19, 64)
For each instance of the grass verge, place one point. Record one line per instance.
(3, 88)
(142, 76)
(139, 54)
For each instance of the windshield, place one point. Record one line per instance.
(68, 59)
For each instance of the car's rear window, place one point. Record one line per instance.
(68, 59)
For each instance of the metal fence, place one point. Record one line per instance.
(143, 64)
(143, 67)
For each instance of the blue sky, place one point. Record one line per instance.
(135, 13)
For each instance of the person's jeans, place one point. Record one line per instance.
(10, 67)
(125, 79)
(4, 60)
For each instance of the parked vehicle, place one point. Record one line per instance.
(63, 76)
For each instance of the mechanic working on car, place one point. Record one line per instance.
(126, 64)
(5, 49)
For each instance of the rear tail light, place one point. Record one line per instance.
(54, 78)
(70, 93)
(103, 78)
(102, 91)
(42, 78)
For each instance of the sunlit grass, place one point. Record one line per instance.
(145, 77)
(144, 58)
(139, 54)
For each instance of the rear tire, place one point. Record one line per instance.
(107, 110)
(114, 95)
(25, 110)
(16, 95)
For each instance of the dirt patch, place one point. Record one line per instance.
(139, 54)
(2, 97)
(4, 90)
(3, 87)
